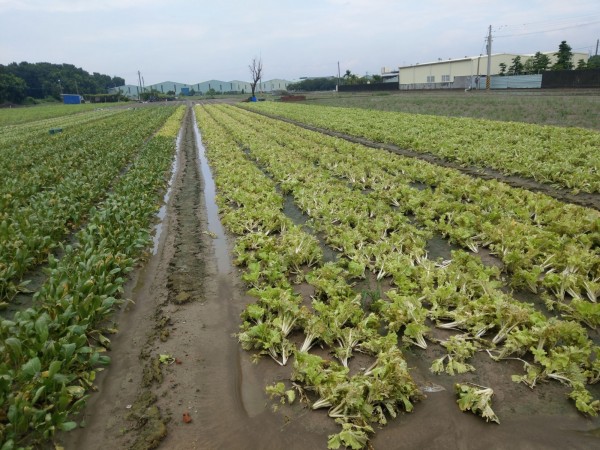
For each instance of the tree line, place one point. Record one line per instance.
(32, 81)
(541, 62)
(329, 83)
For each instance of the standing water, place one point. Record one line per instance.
(162, 212)
(214, 223)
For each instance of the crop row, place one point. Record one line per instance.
(33, 163)
(52, 350)
(19, 116)
(568, 157)
(274, 252)
(40, 204)
(375, 237)
(13, 134)
(546, 246)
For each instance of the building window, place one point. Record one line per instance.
(431, 78)
(445, 78)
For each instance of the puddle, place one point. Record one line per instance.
(162, 212)
(214, 222)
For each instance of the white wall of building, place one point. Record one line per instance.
(444, 71)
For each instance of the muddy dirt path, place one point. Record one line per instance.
(188, 298)
(565, 195)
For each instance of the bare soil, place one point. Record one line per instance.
(186, 306)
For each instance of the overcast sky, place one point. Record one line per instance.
(192, 41)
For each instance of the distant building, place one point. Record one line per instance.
(128, 90)
(467, 72)
(219, 86)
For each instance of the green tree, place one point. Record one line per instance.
(564, 57)
(517, 66)
(593, 62)
(45, 79)
(12, 89)
(540, 62)
(502, 69)
(528, 67)
(314, 84)
(350, 78)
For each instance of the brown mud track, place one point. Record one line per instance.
(589, 200)
(187, 306)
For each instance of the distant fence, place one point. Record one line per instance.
(368, 87)
(548, 79)
(426, 86)
(516, 82)
(571, 79)
(478, 83)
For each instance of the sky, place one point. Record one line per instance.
(191, 41)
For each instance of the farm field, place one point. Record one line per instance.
(346, 193)
(21, 115)
(94, 202)
(288, 289)
(542, 107)
(553, 155)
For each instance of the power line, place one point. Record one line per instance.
(548, 30)
(550, 22)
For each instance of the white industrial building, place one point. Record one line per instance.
(467, 72)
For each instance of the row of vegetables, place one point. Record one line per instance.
(567, 157)
(51, 182)
(342, 190)
(38, 128)
(27, 153)
(548, 247)
(51, 351)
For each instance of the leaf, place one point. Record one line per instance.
(41, 327)
(54, 368)
(32, 367)
(351, 436)
(476, 399)
(15, 346)
(166, 359)
(8, 445)
(291, 395)
(76, 391)
(38, 394)
(68, 426)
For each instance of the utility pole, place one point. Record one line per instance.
(597, 42)
(338, 85)
(489, 60)
(140, 81)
